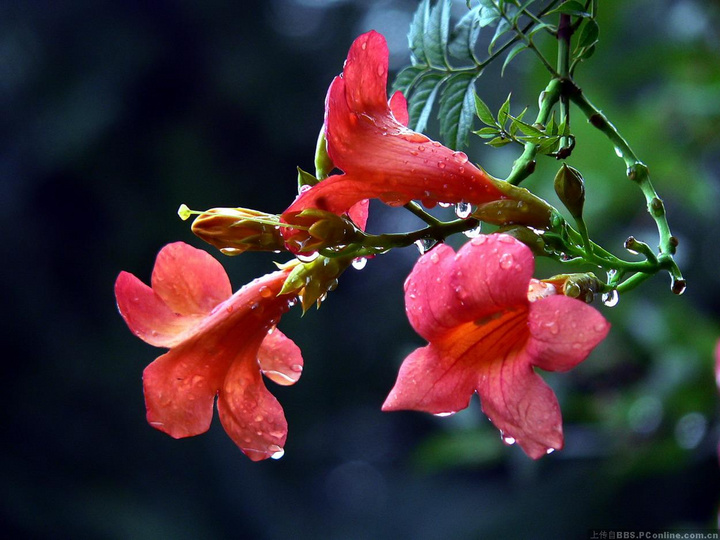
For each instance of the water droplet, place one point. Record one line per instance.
(441, 165)
(231, 251)
(359, 263)
(444, 414)
(618, 152)
(460, 157)
(508, 440)
(277, 451)
(364, 45)
(304, 188)
(380, 70)
(434, 257)
(478, 240)
(444, 204)
(421, 148)
(611, 298)
(506, 261)
(307, 257)
(678, 286)
(259, 418)
(474, 233)
(297, 368)
(463, 210)
(265, 292)
(549, 451)
(424, 245)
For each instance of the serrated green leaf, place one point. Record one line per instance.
(571, 7)
(522, 8)
(437, 30)
(525, 128)
(551, 127)
(517, 49)
(406, 79)
(487, 132)
(514, 125)
(488, 15)
(503, 112)
(541, 26)
(423, 99)
(483, 112)
(464, 36)
(456, 111)
(549, 145)
(497, 142)
(589, 34)
(502, 27)
(416, 33)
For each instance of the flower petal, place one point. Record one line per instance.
(280, 359)
(190, 281)
(564, 330)
(147, 316)
(432, 381)
(399, 108)
(488, 275)
(520, 404)
(359, 213)
(251, 415)
(492, 273)
(180, 388)
(429, 300)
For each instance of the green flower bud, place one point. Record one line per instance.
(570, 189)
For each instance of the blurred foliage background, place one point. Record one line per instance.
(114, 113)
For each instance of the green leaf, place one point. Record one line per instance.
(589, 34)
(488, 15)
(517, 49)
(550, 144)
(551, 127)
(456, 112)
(437, 30)
(587, 53)
(497, 142)
(464, 36)
(417, 32)
(542, 26)
(487, 132)
(483, 112)
(516, 122)
(502, 27)
(571, 7)
(423, 99)
(525, 128)
(503, 112)
(407, 78)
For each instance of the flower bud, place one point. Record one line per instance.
(580, 286)
(323, 163)
(311, 281)
(235, 230)
(530, 238)
(570, 189)
(313, 229)
(530, 213)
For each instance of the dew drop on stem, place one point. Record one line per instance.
(424, 244)
(359, 263)
(463, 210)
(610, 298)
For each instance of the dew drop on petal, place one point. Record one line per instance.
(444, 205)
(508, 440)
(549, 451)
(611, 298)
(444, 414)
(434, 257)
(506, 261)
(479, 240)
(265, 292)
(277, 451)
(441, 165)
(463, 210)
(304, 188)
(460, 157)
(359, 263)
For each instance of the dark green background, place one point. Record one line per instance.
(114, 113)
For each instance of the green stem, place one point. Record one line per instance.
(637, 171)
(416, 209)
(525, 164)
(563, 64)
